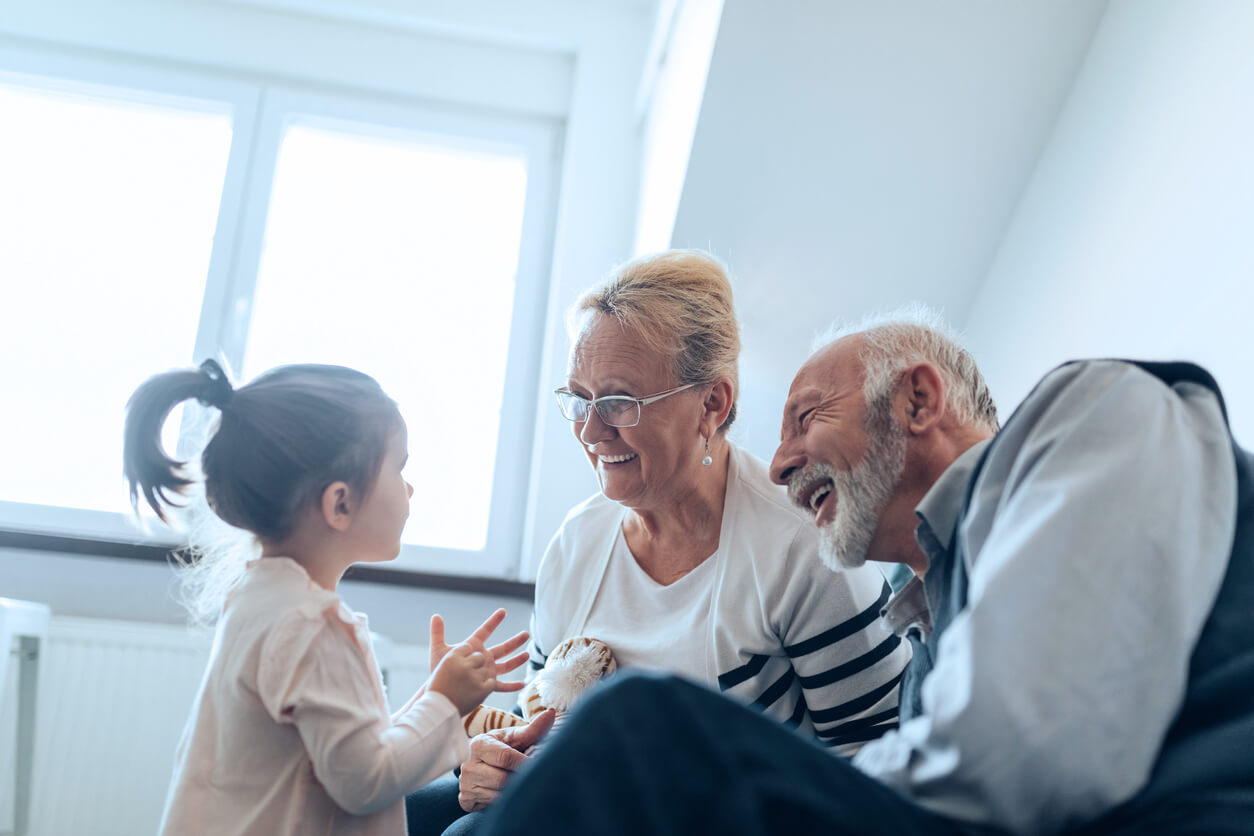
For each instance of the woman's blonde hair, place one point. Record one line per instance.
(680, 303)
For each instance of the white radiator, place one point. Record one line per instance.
(112, 701)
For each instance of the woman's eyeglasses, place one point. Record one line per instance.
(613, 410)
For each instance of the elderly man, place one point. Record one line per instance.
(1081, 612)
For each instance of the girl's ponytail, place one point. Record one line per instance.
(147, 467)
(281, 439)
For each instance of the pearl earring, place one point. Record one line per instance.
(707, 461)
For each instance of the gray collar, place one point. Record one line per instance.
(938, 515)
(938, 512)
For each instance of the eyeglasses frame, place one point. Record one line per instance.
(592, 402)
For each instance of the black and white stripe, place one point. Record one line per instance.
(812, 683)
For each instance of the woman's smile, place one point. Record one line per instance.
(610, 461)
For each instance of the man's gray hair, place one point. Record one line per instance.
(916, 334)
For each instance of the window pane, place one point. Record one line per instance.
(398, 258)
(107, 213)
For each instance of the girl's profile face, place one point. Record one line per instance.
(381, 517)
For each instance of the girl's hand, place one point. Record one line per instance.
(440, 648)
(465, 675)
(468, 673)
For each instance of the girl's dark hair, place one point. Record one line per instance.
(280, 441)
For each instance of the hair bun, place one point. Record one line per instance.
(219, 392)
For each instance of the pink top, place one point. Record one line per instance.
(290, 732)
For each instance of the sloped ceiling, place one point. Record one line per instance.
(852, 156)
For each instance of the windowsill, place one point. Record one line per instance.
(366, 574)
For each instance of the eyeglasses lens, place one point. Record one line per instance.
(574, 408)
(619, 412)
(613, 411)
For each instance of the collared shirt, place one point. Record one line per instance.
(1096, 539)
(938, 514)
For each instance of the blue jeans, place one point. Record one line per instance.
(659, 755)
(434, 811)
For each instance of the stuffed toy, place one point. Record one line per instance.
(572, 666)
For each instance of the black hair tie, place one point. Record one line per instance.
(220, 389)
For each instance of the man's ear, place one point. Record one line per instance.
(924, 392)
(717, 404)
(337, 505)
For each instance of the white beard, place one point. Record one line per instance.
(860, 495)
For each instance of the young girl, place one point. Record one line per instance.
(290, 732)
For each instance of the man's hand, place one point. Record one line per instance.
(493, 756)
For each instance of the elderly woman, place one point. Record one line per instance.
(689, 559)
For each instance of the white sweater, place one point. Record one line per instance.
(787, 634)
(290, 732)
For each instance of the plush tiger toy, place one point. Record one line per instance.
(572, 666)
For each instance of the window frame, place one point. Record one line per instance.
(261, 109)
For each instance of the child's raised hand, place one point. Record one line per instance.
(465, 675)
(440, 648)
(437, 644)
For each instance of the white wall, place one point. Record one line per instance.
(1135, 237)
(657, 126)
(594, 228)
(856, 155)
(670, 97)
(308, 42)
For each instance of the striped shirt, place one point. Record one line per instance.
(784, 633)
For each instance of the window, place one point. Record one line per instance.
(269, 224)
(107, 212)
(398, 258)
